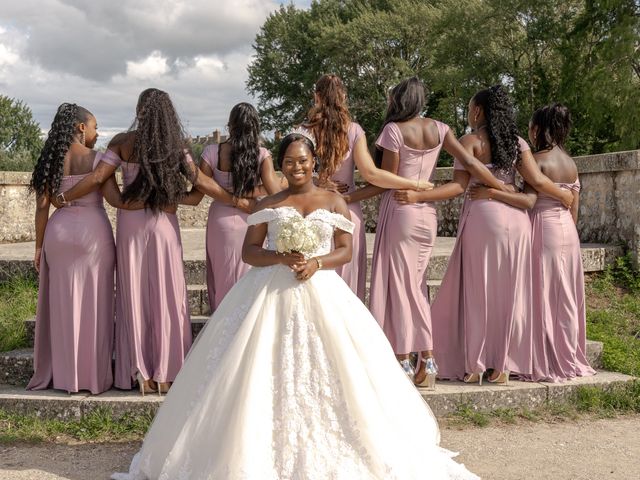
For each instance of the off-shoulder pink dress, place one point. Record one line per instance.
(226, 228)
(482, 315)
(558, 290)
(355, 271)
(75, 313)
(153, 327)
(404, 240)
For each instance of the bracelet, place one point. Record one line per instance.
(319, 262)
(60, 198)
(234, 201)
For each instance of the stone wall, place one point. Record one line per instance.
(609, 203)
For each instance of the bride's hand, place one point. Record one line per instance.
(306, 271)
(293, 260)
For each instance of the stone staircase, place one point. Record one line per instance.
(16, 366)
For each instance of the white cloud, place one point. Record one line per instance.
(103, 53)
(152, 66)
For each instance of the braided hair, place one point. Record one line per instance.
(329, 121)
(160, 149)
(49, 170)
(406, 101)
(554, 124)
(501, 126)
(244, 139)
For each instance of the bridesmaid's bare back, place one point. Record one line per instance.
(78, 160)
(420, 133)
(557, 165)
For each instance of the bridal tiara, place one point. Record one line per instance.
(305, 132)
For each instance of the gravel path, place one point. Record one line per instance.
(585, 450)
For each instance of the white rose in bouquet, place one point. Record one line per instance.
(298, 235)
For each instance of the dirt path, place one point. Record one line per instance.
(585, 450)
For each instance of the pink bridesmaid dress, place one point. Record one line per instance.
(355, 271)
(75, 313)
(226, 227)
(558, 290)
(482, 315)
(153, 327)
(404, 240)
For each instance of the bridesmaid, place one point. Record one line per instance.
(240, 165)
(75, 258)
(409, 145)
(558, 278)
(341, 147)
(153, 330)
(482, 316)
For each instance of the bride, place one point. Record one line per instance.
(292, 378)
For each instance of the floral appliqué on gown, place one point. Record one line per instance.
(293, 380)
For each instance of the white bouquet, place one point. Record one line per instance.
(297, 235)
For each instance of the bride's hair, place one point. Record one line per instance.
(329, 120)
(289, 139)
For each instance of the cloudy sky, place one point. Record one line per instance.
(102, 53)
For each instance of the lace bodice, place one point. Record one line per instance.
(325, 220)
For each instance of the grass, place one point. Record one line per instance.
(98, 426)
(613, 316)
(586, 402)
(18, 299)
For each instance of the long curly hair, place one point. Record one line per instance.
(244, 140)
(160, 149)
(406, 101)
(49, 170)
(501, 127)
(554, 124)
(329, 121)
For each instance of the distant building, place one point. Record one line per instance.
(214, 138)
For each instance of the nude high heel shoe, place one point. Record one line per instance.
(502, 379)
(473, 378)
(144, 385)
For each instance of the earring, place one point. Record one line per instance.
(83, 140)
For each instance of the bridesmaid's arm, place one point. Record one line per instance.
(111, 193)
(42, 217)
(443, 192)
(363, 193)
(382, 177)
(195, 196)
(269, 178)
(575, 205)
(532, 174)
(522, 200)
(474, 166)
(91, 182)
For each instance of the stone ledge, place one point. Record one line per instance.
(447, 397)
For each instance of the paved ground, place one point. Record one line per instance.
(585, 450)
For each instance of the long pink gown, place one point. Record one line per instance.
(75, 313)
(404, 240)
(226, 227)
(355, 271)
(482, 315)
(153, 327)
(558, 290)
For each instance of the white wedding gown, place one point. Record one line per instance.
(293, 380)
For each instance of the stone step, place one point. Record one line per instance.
(17, 258)
(16, 366)
(446, 398)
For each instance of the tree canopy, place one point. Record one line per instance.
(583, 53)
(20, 139)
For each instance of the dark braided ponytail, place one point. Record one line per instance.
(160, 151)
(49, 170)
(244, 140)
(553, 123)
(501, 126)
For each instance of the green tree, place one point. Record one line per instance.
(20, 137)
(584, 53)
